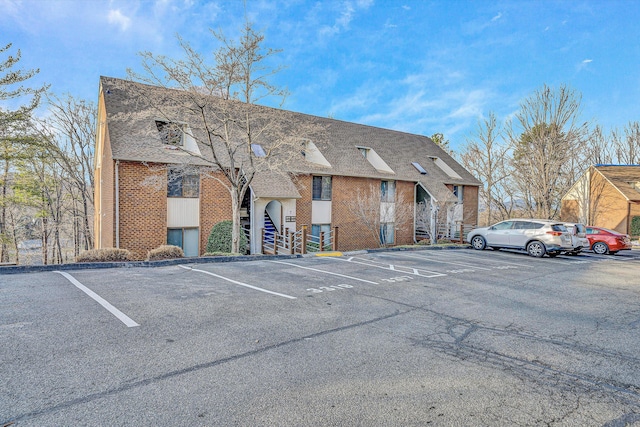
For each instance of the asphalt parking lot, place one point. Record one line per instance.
(450, 337)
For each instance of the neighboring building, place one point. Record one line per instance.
(139, 206)
(605, 196)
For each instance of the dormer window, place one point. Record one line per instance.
(445, 168)
(312, 154)
(374, 158)
(171, 133)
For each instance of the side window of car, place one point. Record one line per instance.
(591, 231)
(536, 225)
(506, 225)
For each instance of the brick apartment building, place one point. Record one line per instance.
(140, 205)
(605, 196)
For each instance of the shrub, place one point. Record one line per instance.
(220, 238)
(165, 252)
(635, 226)
(221, 254)
(104, 255)
(424, 242)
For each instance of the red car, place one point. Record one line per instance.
(605, 241)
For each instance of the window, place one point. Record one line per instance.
(170, 133)
(386, 233)
(388, 191)
(182, 183)
(316, 229)
(458, 191)
(321, 188)
(505, 225)
(185, 238)
(364, 151)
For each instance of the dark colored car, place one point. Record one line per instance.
(605, 241)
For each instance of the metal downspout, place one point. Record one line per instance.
(415, 195)
(117, 205)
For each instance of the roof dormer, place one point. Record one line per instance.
(376, 161)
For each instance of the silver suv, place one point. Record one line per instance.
(537, 236)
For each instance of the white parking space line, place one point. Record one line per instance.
(488, 259)
(326, 272)
(442, 262)
(238, 283)
(120, 315)
(400, 268)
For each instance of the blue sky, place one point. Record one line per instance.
(416, 66)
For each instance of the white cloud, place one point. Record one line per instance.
(581, 66)
(498, 16)
(117, 18)
(347, 15)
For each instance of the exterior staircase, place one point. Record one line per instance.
(269, 230)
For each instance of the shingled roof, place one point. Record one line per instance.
(626, 178)
(133, 136)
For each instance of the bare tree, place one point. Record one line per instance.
(599, 148)
(40, 184)
(68, 134)
(486, 156)
(378, 216)
(548, 141)
(628, 146)
(218, 101)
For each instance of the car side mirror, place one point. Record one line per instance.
(492, 228)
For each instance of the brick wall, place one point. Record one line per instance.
(303, 205)
(354, 233)
(105, 197)
(609, 206)
(570, 210)
(215, 206)
(405, 191)
(470, 205)
(143, 207)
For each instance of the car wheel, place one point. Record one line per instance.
(478, 243)
(600, 248)
(536, 249)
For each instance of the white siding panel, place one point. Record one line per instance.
(321, 212)
(183, 212)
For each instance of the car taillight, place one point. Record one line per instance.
(555, 233)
